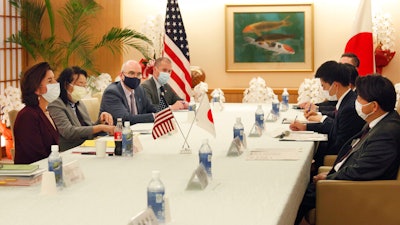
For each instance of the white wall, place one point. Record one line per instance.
(205, 27)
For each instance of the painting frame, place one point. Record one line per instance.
(254, 47)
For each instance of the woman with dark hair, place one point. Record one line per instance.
(34, 130)
(70, 116)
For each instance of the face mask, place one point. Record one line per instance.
(53, 91)
(131, 82)
(78, 93)
(326, 94)
(163, 77)
(360, 113)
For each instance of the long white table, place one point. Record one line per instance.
(114, 190)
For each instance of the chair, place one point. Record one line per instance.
(93, 107)
(356, 202)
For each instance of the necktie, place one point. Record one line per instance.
(133, 105)
(163, 103)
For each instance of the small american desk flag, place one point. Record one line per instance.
(176, 48)
(163, 123)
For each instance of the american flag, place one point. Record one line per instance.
(163, 123)
(176, 48)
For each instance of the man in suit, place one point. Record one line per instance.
(372, 154)
(346, 123)
(126, 98)
(157, 86)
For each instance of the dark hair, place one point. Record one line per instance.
(353, 73)
(375, 87)
(354, 58)
(30, 82)
(66, 77)
(332, 71)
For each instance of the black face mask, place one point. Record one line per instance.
(131, 82)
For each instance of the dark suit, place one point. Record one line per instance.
(34, 134)
(376, 157)
(72, 133)
(150, 88)
(115, 103)
(345, 124)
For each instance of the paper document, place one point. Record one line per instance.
(304, 136)
(289, 121)
(274, 154)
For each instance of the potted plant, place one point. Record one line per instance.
(80, 45)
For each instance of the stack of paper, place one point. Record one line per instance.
(274, 154)
(304, 136)
(20, 174)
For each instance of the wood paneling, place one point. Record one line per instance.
(236, 94)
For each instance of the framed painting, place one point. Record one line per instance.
(263, 38)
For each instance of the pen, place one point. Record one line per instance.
(294, 121)
(309, 108)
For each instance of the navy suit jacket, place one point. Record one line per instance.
(150, 88)
(376, 157)
(115, 103)
(345, 124)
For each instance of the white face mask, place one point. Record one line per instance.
(360, 113)
(325, 94)
(163, 77)
(53, 92)
(78, 93)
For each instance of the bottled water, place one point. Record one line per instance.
(155, 196)
(205, 155)
(192, 105)
(55, 165)
(285, 100)
(127, 140)
(260, 117)
(275, 108)
(118, 137)
(238, 129)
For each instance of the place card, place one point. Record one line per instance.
(137, 145)
(256, 131)
(146, 217)
(199, 179)
(72, 173)
(236, 147)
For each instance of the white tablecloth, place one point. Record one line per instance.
(114, 190)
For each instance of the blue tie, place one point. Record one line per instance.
(163, 104)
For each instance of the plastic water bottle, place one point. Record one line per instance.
(192, 105)
(285, 100)
(275, 108)
(155, 196)
(127, 139)
(238, 129)
(55, 165)
(260, 117)
(205, 155)
(118, 137)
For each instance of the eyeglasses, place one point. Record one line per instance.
(133, 74)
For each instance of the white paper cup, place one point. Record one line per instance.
(101, 146)
(48, 183)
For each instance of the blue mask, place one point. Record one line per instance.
(163, 77)
(131, 82)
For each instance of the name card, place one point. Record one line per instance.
(199, 179)
(256, 131)
(235, 149)
(137, 145)
(146, 217)
(72, 173)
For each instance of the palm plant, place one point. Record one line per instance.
(76, 15)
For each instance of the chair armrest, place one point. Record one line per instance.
(329, 160)
(323, 169)
(358, 202)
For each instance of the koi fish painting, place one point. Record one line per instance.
(267, 35)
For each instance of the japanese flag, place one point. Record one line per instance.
(204, 116)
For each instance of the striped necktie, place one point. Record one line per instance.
(163, 103)
(133, 105)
